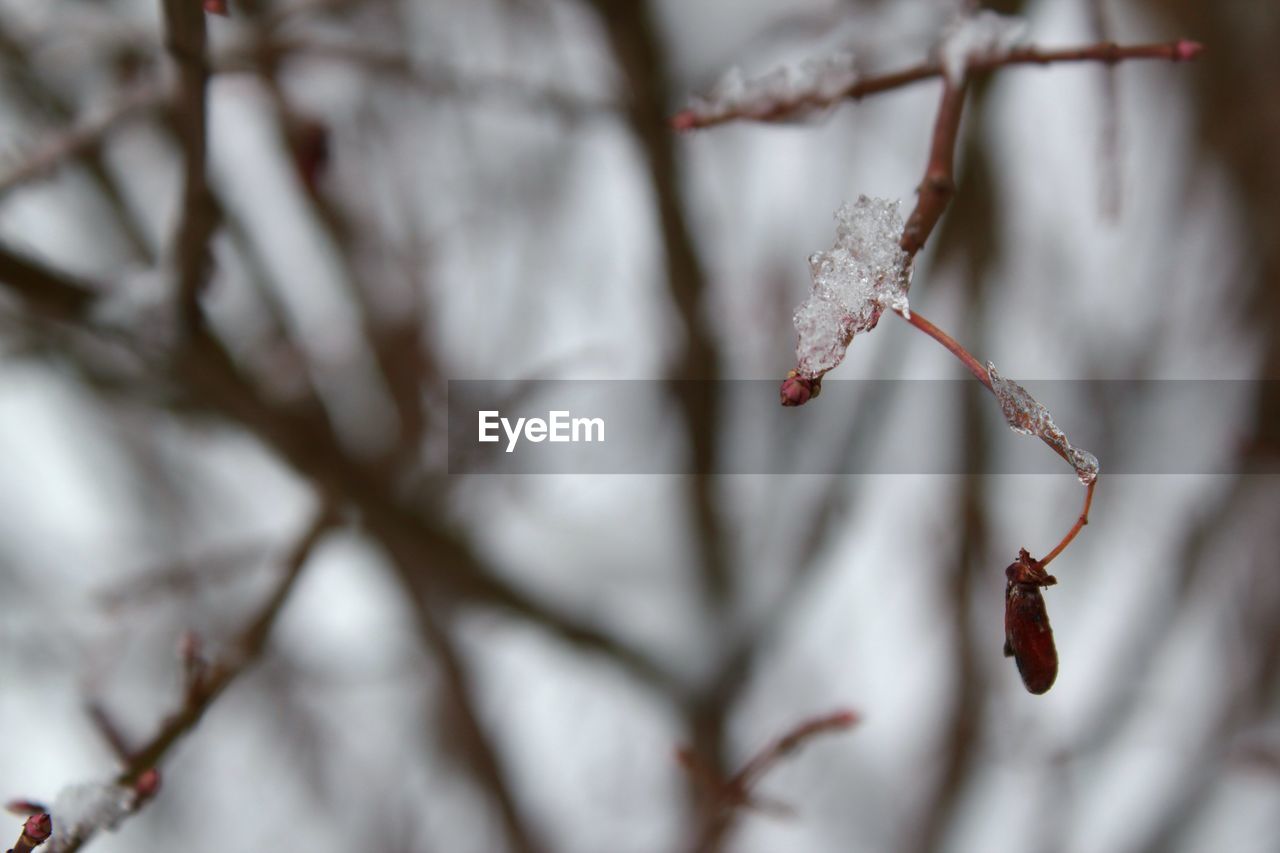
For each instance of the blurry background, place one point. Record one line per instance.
(413, 191)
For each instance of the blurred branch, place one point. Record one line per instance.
(483, 754)
(641, 57)
(730, 796)
(139, 779)
(80, 140)
(42, 96)
(186, 38)
(50, 292)
(436, 79)
(244, 651)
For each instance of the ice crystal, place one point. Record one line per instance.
(789, 90)
(863, 275)
(983, 36)
(1026, 415)
(80, 810)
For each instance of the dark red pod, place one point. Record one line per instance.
(1028, 639)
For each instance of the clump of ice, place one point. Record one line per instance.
(81, 810)
(863, 275)
(788, 91)
(982, 36)
(1026, 415)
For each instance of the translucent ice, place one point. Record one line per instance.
(81, 810)
(787, 91)
(985, 35)
(1027, 416)
(863, 275)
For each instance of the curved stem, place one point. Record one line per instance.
(966, 358)
(1075, 528)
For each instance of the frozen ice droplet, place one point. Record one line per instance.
(863, 275)
(1026, 415)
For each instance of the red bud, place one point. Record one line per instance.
(38, 828)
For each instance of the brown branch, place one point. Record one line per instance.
(786, 109)
(35, 831)
(79, 140)
(729, 797)
(186, 38)
(244, 651)
(49, 292)
(138, 772)
(966, 358)
(479, 747)
(939, 183)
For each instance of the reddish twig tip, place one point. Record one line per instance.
(683, 121)
(1186, 50)
(148, 785)
(38, 827)
(35, 831)
(217, 7)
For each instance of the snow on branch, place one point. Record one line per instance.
(982, 37)
(1026, 415)
(793, 91)
(863, 275)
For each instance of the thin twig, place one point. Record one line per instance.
(809, 101)
(939, 182)
(77, 141)
(1075, 528)
(245, 650)
(732, 795)
(966, 358)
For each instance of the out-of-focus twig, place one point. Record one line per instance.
(75, 142)
(186, 37)
(728, 797)
(479, 747)
(246, 649)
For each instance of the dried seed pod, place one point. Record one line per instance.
(1028, 639)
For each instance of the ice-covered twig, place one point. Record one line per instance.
(83, 810)
(1026, 415)
(863, 275)
(981, 37)
(789, 92)
(1182, 50)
